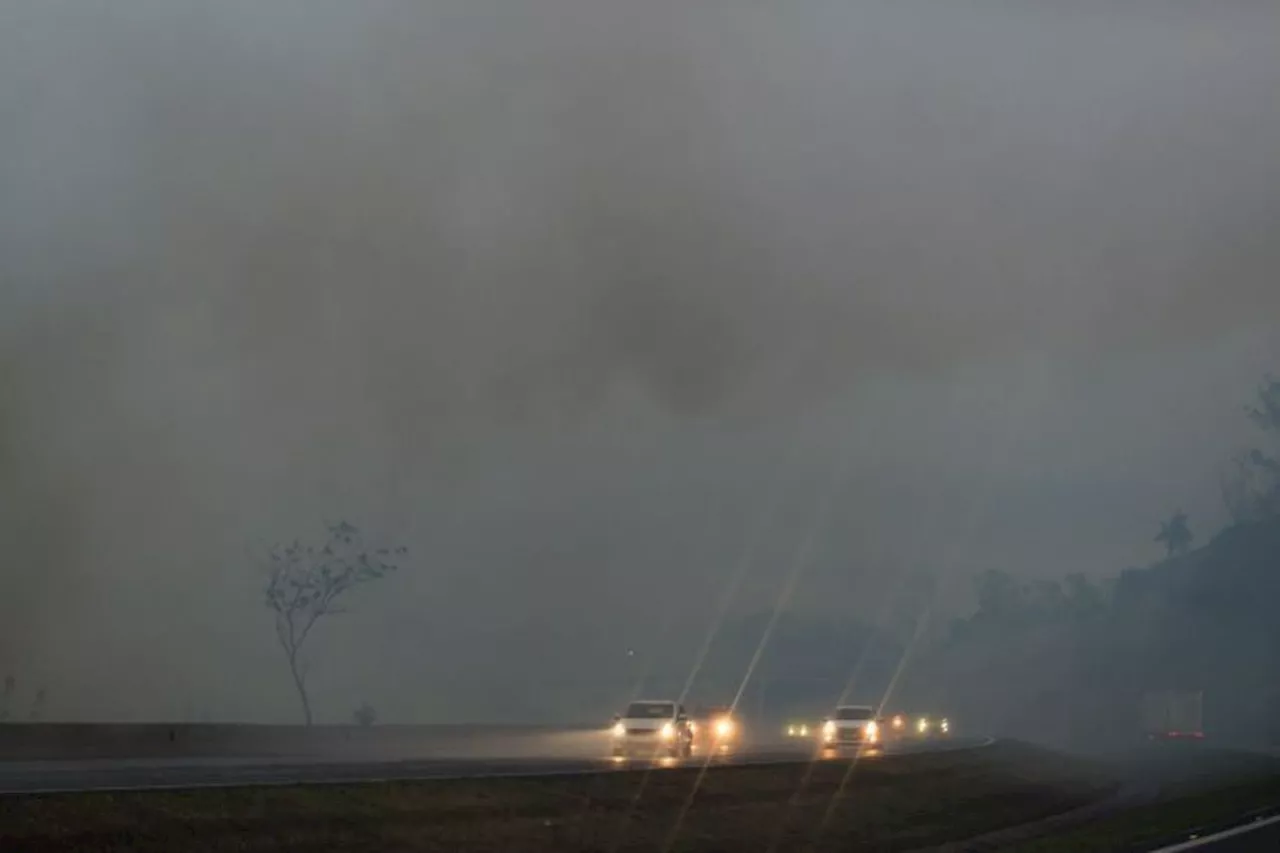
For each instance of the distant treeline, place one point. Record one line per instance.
(1068, 661)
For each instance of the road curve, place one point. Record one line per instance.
(47, 777)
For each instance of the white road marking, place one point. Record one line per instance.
(1220, 836)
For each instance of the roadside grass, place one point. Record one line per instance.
(1168, 820)
(900, 803)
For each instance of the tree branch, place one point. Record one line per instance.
(305, 585)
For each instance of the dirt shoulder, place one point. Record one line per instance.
(895, 804)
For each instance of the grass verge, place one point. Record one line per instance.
(1167, 821)
(900, 803)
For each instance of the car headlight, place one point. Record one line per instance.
(945, 725)
(923, 725)
(829, 730)
(668, 731)
(791, 731)
(873, 731)
(724, 728)
(804, 731)
(898, 722)
(619, 730)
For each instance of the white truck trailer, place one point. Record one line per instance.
(1173, 714)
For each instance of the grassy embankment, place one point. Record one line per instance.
(897, 804)
(1171, 819)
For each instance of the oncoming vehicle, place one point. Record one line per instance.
(850, 726)
(718, 728)
(653, 729)
(926, 726)
(895, 726)
(800, 728)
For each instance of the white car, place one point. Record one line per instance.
(653, 728)
(851, 726)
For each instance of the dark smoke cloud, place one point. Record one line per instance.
(316, 252)
(462, 209)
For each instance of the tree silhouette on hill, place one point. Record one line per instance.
(1175, 534)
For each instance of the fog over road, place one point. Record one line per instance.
(555, 293)
(540, 754)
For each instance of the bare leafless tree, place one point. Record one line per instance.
(6, 697)
(1251, 488)
(1266, 412)
(38, 705)
(366, 715)
(1238, 491)
(306, 583)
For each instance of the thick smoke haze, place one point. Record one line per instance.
(564, 295)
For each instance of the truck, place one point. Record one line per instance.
(1173, 714)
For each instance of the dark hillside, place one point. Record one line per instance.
(1068, 662)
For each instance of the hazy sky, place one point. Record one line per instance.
(570, 297)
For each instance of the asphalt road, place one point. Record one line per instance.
(1249, 838)
(578, 756)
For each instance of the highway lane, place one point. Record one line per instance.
(157, 774)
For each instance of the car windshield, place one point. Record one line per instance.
(650, 710)
(853, 713)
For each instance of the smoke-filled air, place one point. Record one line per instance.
(613, 346)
